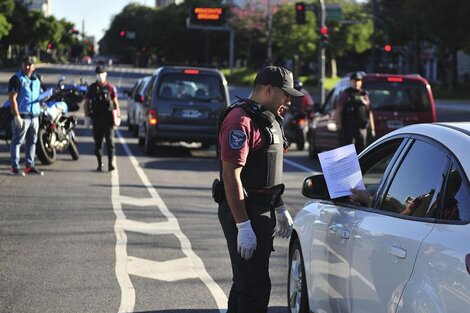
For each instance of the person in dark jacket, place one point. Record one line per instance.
(100, 101)
(353, 114)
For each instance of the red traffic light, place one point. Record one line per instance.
(122, 33)
(324, 30)
(49, 46)
(388, 48)
(300, 6)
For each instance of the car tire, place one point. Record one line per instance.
(312, 150)
(135, 130)
(148, 144)
(300, 140)
(297, 295)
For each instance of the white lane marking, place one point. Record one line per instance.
(195, 263)
(168, 271)
(299, 166)
(127, 289)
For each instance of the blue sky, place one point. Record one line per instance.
(97, 14)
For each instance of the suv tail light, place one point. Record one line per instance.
(193, 72)
(395, 79)
(152, 117)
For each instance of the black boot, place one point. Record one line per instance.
(111, 166)
(100, 165)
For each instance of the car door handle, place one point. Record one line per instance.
(398, 252)
(340, 231)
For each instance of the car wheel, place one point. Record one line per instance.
(312, 152)
(148, 144)
(297, 296)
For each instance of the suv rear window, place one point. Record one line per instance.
(191, 87)
(400, 96)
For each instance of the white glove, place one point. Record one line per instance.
(18, 122)
(284, 222)
(246, 240)
(87, 121)
(372, 133)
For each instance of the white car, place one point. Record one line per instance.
(409, 251)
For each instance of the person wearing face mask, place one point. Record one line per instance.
(252, 143)
(100, 101)
(23, 92)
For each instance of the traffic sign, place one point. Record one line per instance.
(334, 12)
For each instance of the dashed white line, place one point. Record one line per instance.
(167, 271)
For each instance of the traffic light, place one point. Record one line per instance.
(323, 36)
(388, 48)
(122, 33)
(300, 12)
(50, 45)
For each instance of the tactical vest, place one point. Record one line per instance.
(101, 105)
(262, 172)
(28, 94)
(355, 112)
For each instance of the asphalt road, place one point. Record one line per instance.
(144, 238)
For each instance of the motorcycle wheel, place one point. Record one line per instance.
(300, 140)
(73, 150)
(46, 154)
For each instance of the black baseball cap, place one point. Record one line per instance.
(278, 77)
(100, 69)
(356, 76)
(29, 60)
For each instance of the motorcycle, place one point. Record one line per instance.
(55, 133)
(295, 127)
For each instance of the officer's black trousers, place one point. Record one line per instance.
(251, 286)
(354, 135)
(100, 131)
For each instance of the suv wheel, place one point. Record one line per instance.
(148, 144)
(312, 151)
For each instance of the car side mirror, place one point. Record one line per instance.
(315, 187)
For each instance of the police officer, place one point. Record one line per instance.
(100, 101)
(23, 91)
(353, 114)
(249, 194)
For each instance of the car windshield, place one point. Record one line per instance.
(191, 87)
(400, 96)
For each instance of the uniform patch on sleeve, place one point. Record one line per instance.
(236, 139)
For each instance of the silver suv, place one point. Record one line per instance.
(182, 105)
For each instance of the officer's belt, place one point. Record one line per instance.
(264, 196)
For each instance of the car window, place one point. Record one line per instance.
(150, 86)
(328, 106)
(376, 162)
(398, 96)
(195, 87)
(416, 184)
(456, 202)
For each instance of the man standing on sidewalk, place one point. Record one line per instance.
(23, 91)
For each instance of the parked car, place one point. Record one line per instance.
(182, 104)
(135, 102)
(408, 251)
(396, 101)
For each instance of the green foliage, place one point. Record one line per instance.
(291, 39)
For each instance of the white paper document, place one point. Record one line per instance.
(341, 171)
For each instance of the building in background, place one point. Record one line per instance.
(39, 5)
(165, 3)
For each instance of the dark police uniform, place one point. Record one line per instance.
(355, 117)
(101, 112)
(251, 136)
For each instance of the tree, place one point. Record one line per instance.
(6, 9)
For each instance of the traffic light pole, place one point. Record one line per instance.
(322, 54)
